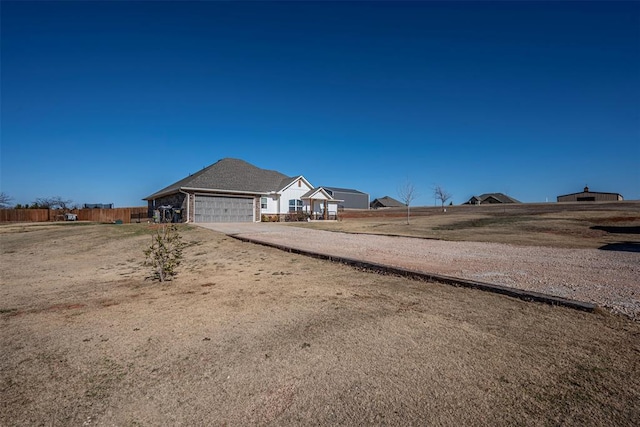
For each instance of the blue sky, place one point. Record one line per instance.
(109, 102)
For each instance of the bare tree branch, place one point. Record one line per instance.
(5, 200)
(441, 194)
(407, 193)
(55, 202)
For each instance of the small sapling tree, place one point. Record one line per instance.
(407, 193)
(165, 253)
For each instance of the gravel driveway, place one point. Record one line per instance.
(607, 278)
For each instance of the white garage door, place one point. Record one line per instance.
(223, 209)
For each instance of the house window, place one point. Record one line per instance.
(263, 203)
(295, 205)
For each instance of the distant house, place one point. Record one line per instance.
(490, 198)
(386, 202)
(351, 199)
(590, 196)
(98, 206)
(232, 190)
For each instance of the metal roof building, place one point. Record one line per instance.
(590, 196)
(351, 199)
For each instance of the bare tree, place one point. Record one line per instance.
(60, 205)
(407, 193)
(56, 202)
(441, 194)
(5, 200)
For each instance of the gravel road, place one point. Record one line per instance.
(609, 279)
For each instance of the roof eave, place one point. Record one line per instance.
(293, 180)
(218, 190)
(204, 190)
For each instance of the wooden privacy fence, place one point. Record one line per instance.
(26, 215)
(126, 215)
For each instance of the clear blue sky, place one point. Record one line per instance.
(110, 102)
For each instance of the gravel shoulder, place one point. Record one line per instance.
(610, 279)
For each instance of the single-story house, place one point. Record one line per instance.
(98, 206)
(386, 202)
(590, 196)
(352, 199)
(232, 190)
(490, 198)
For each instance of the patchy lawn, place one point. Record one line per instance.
(251, 335)
(600, 225)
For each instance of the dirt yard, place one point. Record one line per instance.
(609, 279)
(251, 335)
(608, 226)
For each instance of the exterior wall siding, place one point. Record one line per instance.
(590, 196)
(273, 203)
(352, 200)
(292, 192)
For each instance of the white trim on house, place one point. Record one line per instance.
(292, 192)
(213, 190)
(294, 181)
(314, 195)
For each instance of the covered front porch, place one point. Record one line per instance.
(320, 206)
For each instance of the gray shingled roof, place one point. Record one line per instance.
(503, 198)
(317, 189)
(388, 202)
(230, 175)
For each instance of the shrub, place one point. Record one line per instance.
(165, 253)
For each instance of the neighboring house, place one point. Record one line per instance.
(352, 199)
(98, 206)
(232, 190)
(386, 202)
(590, 196)
(490, 198)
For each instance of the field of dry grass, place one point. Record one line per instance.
(598, 225)
(251, 335)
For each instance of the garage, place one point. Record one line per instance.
(223, 209)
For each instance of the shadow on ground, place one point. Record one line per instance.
(622, 247)
(617, 229)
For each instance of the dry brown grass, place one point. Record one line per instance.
(252, 335)
(554, 225)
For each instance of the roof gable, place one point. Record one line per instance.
(229, 175)
(388, 202)
(502, 198)
(288, 182)
(318, 194)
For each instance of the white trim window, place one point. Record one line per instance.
(295, 205)
(263, 203)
